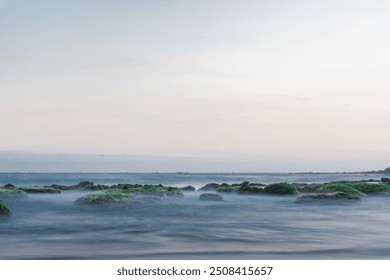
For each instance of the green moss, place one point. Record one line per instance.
(148, 189)
(280, 188)
(229, 188)
(105, 198)
(365, 187)
(251, 189)
(12, 192)
(339, 187)
(334, 196)
(4, 210)
(41, 190)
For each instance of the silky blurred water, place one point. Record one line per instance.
(51, 226)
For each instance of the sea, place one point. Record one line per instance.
(241, 227)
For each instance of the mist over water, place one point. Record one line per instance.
(51, 226)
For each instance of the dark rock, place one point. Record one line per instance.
(341, 187)
(280, 188)
(210, 187)
(12, 192)
(9, 186)
(336, 196)
(188, 188)
(41, 190)
(104, 198)
(387, 170)
(385, 180)
(210, 197)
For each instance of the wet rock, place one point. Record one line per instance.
(188, 188)
(385, 180)
(251, 188)
(104, 198)
(210, 197)
(9, 186)
(341, 187)
(336, 196)
(4, 209)
(210, 187)
(12, 192)
(47, 190)
(281, 188)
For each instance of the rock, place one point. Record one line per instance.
(210, 197)
(156, 190)
(210, 187)
(385, 180)
(372, 188)
(251, 189)
(280, 188)
(188, 188)
(104, 198)
(336, 196)
(4, 210)
(387, 170)
(9, 186)
(12, 192)
(41, 190)
(340, 187)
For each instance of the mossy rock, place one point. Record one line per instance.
(210, 187)
(228, 188)
(281, 189)
(339, 187)
(307, 188)
(4, 209)
(156, 190)
(12, 192)
(210, 197)
(326, 197)
(47, 190)
(104, 198)
(251, 189)
(370, 188)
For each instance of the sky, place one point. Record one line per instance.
(267, 85)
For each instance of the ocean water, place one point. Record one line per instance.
(51, 226)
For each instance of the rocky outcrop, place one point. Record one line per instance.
(281, 189)
(104, 198)
(12, 192)
(210, 187)
(47, 190)
(188, 188)
(336, 196)
(210, 197)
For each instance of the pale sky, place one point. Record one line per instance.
(246, 80)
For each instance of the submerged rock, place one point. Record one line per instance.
(336, 196)
(210, 187)
(243, 188)
(188, 188)
(280, 188)
(156, 190)
(339, 187)
(4, 210)
(84, 185)
(104, 198)
(211, 197)
(48, 190)
(12, 192)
